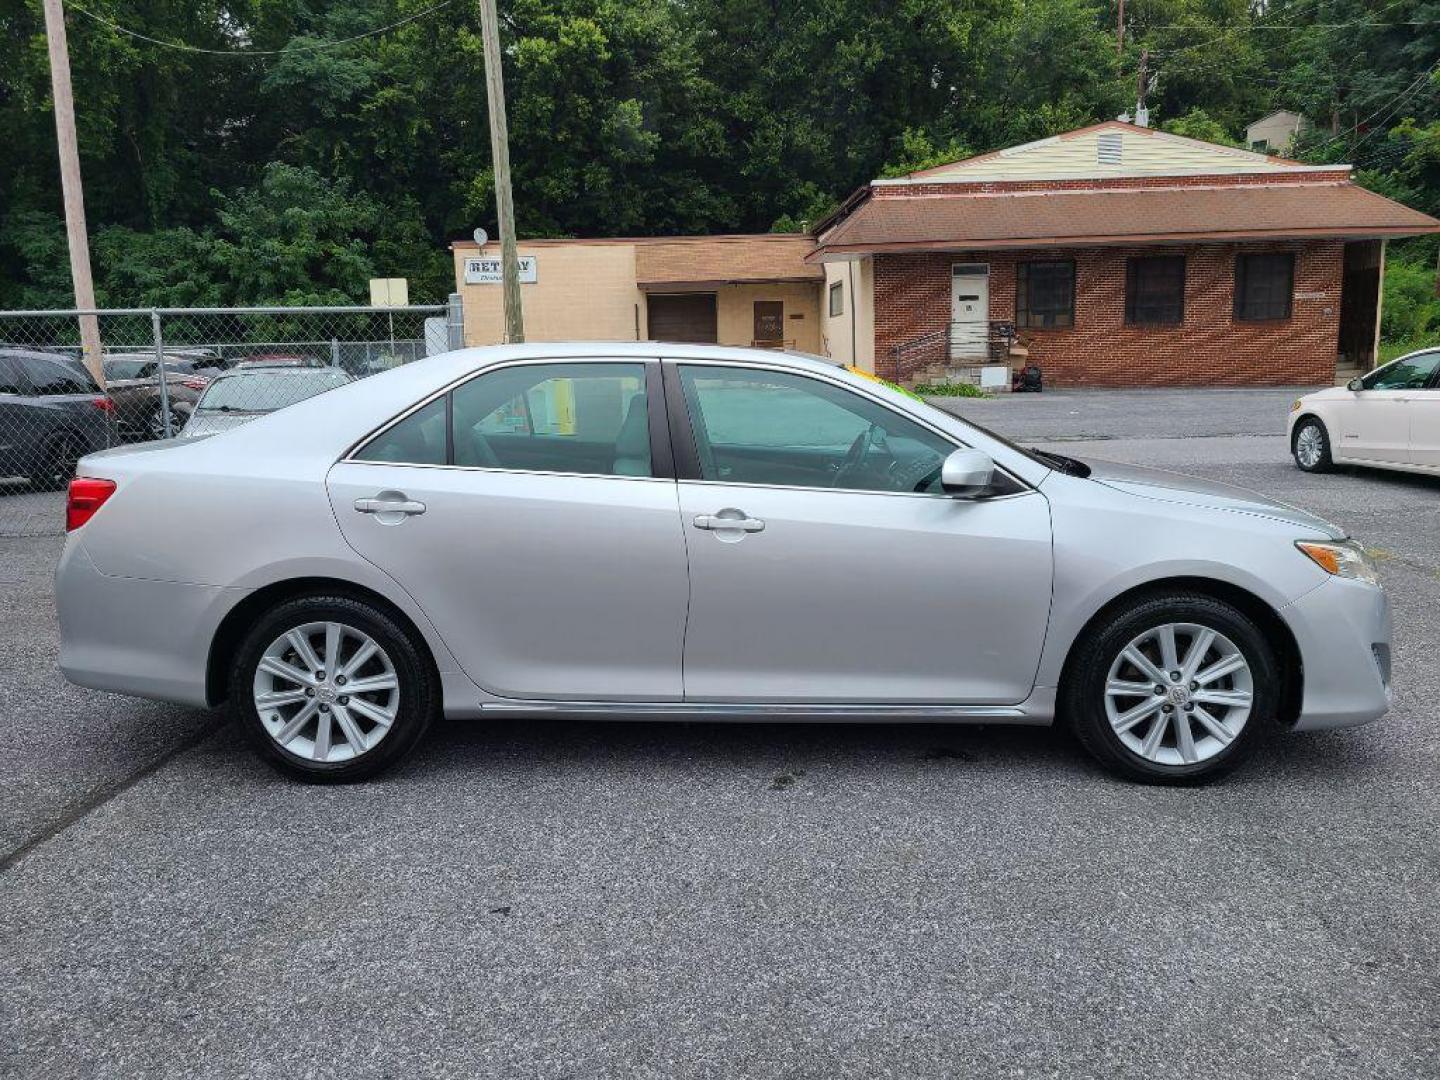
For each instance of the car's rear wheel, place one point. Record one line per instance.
(1311, 446)
(330, 689)
(1174, 688)
(57, 467)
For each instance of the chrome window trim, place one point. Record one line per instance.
(504, 471)
(348, 457)
(859, 392)
(1027, 490)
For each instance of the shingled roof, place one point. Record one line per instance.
(712, 260)
(1071, 218)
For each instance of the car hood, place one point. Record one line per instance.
(209, 422)
(1330, 393)
(1175, 487)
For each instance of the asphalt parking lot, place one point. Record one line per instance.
(638, 900)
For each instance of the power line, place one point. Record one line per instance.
(290, 48)
(1232, 31)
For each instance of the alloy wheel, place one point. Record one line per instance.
(1179, 694)
(326, 692)
(1309, 446)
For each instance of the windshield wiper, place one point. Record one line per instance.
(1068, 465)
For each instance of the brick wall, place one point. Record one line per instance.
(1210, 348)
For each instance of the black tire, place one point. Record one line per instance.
(1083, 693)
(62, 454)
(418, 686)
(1321, 464)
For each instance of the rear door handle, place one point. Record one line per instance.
(391, 505)
(729, 519)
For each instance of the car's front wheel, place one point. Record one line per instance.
(1172, 688)
(331, 688)
(1311, 446)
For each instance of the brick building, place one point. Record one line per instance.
(1113, 255)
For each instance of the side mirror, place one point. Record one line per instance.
(967, 474)
(1355, 384)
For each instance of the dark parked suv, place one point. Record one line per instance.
(51, 414)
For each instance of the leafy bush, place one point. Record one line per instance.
(951, 390)
(1411, 312)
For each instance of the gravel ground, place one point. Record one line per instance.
(575, 900)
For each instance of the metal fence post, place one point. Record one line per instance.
(160, 372)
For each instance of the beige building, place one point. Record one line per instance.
(1275, 133)
(732, 290)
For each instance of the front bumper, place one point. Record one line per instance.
(136, 635)
(1343, 631)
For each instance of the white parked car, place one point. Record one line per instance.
(1388, 419)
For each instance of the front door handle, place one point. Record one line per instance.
(389, 502)
(729, 519)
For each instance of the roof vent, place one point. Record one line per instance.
(1108, 148)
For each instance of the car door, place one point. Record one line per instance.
(827, 566)
(531, 513)
(1375, 423)
(1424, 410)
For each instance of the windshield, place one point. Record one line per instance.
(267, 391)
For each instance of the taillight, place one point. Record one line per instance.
(104, 404)
(86, 496)
(195, 384)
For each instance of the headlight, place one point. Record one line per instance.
(1345, 559)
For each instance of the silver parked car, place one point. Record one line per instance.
(239, 396)
(644, 530)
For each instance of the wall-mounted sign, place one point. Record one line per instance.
(485, 270)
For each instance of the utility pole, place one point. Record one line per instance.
(70, 186)
(1120, 29)
(500, 157)
(1142, 114)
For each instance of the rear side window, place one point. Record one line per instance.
(590, 418)
(419, 439)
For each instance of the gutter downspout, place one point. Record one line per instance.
(854, 341)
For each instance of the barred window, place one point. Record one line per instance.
(1155, 290)
(1263, 286)
(1045, 294)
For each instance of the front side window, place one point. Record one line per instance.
(1263, 286)
(571, 418)
(1155, 290)
(1045, 294)
(770, 427)
(1412, 373)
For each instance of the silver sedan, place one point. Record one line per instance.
(638, 530)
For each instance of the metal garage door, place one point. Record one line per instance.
(682, 317)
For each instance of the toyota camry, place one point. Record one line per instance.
(655, 531)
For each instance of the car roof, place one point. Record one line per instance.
(38, 354)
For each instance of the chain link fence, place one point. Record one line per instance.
(175, 373)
